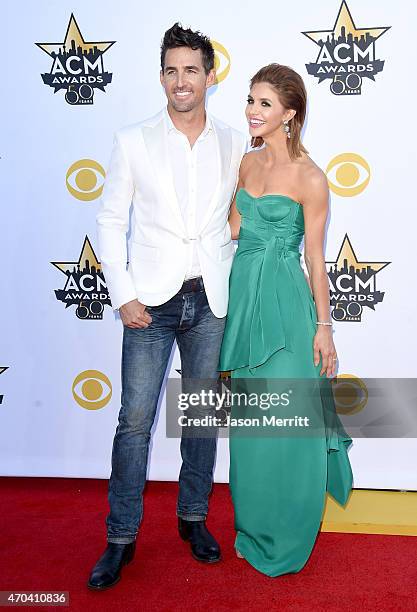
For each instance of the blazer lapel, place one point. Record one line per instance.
(224, 154)
(155, 139)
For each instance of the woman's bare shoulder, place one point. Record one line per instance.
(248, 160)
(311, 175)
(251, 157)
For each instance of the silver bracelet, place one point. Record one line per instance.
(324, 323)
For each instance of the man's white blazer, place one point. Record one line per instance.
(139, 173)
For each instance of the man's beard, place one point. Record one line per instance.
(183, 107)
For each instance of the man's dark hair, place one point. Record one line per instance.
(178, 37)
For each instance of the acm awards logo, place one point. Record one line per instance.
(347, 54)
(353, 284)
(85, 286)
(2, 369)
(77, 66)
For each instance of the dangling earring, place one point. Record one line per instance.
(287, 128)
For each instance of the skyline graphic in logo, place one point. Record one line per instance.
(347, 54)
(353, 284)
(2, 369)
(77, 66)
(85, 286)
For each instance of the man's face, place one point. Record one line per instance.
(184, 79)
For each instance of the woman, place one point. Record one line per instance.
(276, 332)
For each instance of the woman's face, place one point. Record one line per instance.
(264, 111)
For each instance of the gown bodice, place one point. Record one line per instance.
(270, 216)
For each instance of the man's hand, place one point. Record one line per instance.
(133, 314)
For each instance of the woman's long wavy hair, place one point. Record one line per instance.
(292, 94)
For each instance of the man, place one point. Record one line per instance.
(180, 170)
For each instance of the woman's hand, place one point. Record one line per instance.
(323, 343)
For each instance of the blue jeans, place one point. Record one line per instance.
(186, 318)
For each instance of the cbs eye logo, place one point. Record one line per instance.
(83, 180)
(350, 394)
(348, 174)
(221, 61)
(89, 391)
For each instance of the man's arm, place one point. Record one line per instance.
(112, 226)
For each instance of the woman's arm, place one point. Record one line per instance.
(315, 206)
(234, 214)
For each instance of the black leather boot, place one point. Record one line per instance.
(203, 546)
(106, 571)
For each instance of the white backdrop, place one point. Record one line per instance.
(45, 431)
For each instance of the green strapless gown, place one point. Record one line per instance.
(278, 484)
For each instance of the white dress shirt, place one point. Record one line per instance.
(194, 171)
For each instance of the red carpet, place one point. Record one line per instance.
(52, 532)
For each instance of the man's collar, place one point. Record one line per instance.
(171, 127)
